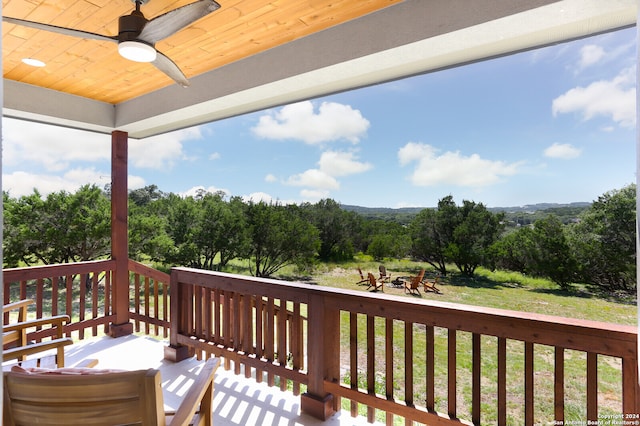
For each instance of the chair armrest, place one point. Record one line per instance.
(16, 305)
(22, 351)
(199, 396)
(58, 321)
(20, 305)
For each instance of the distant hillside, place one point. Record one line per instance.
(414, 210)
(518, 214)
(530, 208)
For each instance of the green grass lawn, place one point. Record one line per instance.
(493, 289)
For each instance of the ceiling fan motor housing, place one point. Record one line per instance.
(130, 26)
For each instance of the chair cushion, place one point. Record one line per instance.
(62, 371)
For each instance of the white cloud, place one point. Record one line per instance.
(452, 168)
(590, 55)
(270, 178)
(314, 178)
(336, 163)
(257, 197)
(163, 151)
(50, 147)
(319, 182)
(194, 191)
(299, 121)
(314, 195)
(563, 151)
(214, 156)
(614, 98)
(22, 183)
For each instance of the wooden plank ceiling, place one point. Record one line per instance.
(94, 69)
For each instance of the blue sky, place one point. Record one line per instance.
(553, 125)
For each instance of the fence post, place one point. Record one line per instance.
(323, 357)
(177, 319)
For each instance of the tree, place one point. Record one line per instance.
(428, 240)
(460, 235)
(207, 231)
(551, 256)
(61, 228)
(279, 236)
(336, 229)
(512, 251)
(387, 239)
(475, 229)
(604, 241)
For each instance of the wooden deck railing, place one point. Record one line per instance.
(427, 357)
(150, 301)
(387, 357)
(83, 291)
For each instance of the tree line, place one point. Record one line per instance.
(208, 231)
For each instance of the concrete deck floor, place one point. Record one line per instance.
(237, 400)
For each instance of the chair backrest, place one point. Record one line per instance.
(360, 272)
(415, 281)
(100, 398)
(383, 270)
(372, 280)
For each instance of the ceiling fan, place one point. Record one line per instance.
(138, 35)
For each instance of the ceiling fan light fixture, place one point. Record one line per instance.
(137, 51)
(33, 62)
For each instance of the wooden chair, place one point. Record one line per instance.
(14, 336)
(374, 283)
(411, 285)
(363, 279)
(103, 397)
(384, 277)
(430, 285)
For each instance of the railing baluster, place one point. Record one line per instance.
(528, 383)
(630, 387)
(371, 364)
(94, 302)
(107, 298)
(270, 338)
(147, 298)
(236, 328)
(408, 363)
(156, 303)
(476, 390)
(260, 313)
(389, 363)
(39, 297)
(558, 399)
(502, 381)
(452, 373)
(430, 369)
(353, 358)
(84, 279)
(54, 295)
(592, 387)
(281, 318)
(297, 344)
(69, 296)
(247, 347)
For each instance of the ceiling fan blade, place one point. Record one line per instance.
(171, 22)
(167, 66)
(59, 30)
